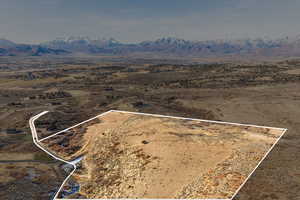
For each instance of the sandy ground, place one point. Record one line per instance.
(137, 156)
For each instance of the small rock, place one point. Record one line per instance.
(145, 142)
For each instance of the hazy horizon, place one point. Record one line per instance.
(132, 21)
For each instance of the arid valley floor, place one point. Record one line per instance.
(75, 89)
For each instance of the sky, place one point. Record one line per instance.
(130, 21)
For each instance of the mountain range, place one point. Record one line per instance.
(9, 48)
(288, 46)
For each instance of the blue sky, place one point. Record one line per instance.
(34, 21)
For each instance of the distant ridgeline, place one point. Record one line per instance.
(170, 46)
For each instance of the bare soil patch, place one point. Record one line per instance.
(137, 156)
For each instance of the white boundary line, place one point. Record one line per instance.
(234, 195)
(45, 138)
(193, 119)
(36, 140)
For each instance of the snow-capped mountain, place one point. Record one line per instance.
(82, 44)
(288, 46)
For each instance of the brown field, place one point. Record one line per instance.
(75, 89)
(137, 156)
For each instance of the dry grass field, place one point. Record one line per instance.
(76, 89)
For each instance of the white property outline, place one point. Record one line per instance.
(36, 141)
